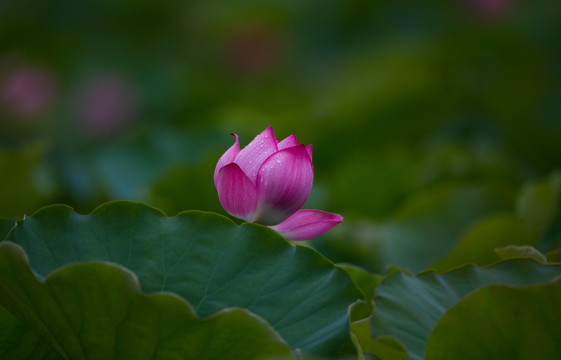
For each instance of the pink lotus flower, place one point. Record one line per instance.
(106, 105)
(27, 90)
(267, 182)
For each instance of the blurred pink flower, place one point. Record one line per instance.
(106, 105)
(27, 91)
(268, 182)
(491, 8)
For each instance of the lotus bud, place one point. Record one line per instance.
(267, 182)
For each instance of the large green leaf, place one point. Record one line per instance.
(364, 280)
(426, 228)
(208, 260)
(421, 232)
(500, 322)
(17, 341)
(97, 311)
(407, 307)
(536, 209)
(477, 244)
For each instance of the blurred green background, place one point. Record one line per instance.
(430, 120)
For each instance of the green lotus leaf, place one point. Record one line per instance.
(364, 280)
(208, 260)
(537, 206)
(97, 311)
(428, 225)
(501, 322)
(477, 243)
(514, 251)
(407, 307)
(17, 341)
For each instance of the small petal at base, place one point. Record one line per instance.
(307, 224)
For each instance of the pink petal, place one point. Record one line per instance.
(228, 157)
(310, 148)
(236, 192)
(291, 141)
(288, 142)
(283, 184)
(254, 154)
(307, 224)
